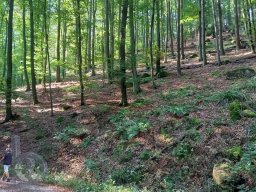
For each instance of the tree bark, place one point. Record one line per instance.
(25, 46)
(136, 87)
(158, 68)
(47, 58)
(58, 45)
(250, 27)
(200, 32)
(237, 34)
(178, 38)
(106, 48)
(124, 101)
(32, 53)
(222, 52)
(203, 32)
(216, 30)
(94, 8)
(151, 44)
(8, 93)
(79, 51)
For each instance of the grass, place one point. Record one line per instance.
(178, 93)
(79, 185)
(228, 96)
(176, 110)
(250, 85)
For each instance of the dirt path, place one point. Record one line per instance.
(15, 186)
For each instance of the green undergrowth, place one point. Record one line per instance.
(68, 132)
(178, 93)
(227, 96)
(176, 110)
(128, 126)
(80, 185)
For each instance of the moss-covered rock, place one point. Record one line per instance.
(248, 113)
(144, 75)
(162, 74)
(240, 73)
(234, 110)
(194, 55)
(234, 153)
(221, 174)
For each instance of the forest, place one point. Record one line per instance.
(128, 95)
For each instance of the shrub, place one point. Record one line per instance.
(67, 132)
(127, 127)
(182, 150)
(228, 96)
(145, 155)
(126, 176)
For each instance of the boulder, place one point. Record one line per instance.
(221, 173)
(240, 73)
(248, 113)
(162, 74)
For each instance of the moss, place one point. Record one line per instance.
(162, 74)
(248, 113)
(234, 110)
(240, 73)
(234, 153)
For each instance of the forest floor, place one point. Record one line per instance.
(29, 187)
(167, 138)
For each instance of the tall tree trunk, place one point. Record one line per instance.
(222, 52)
(182, 45)
(112, 36)
(251, 7)
(93, 36)
(79, 50)
(167, 30)
(178, 38)
(25, 46)
(124, 101)
(147, 36)
(106, 48)
(32, 53)
(64, 47)
(200, 32)
(250, 27)
(171, 32)
(158, 68)
(58, 44)
(203, 20)
(136, 87)
(151, 44)
(47, 58)
(8, 93)
(89, 47)
(216, 30)
(5, 50)
(238, 45)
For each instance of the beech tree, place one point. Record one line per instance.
(8, 93)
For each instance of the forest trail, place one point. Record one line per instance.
(15, 186)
